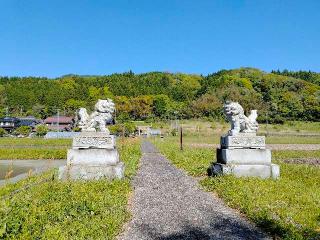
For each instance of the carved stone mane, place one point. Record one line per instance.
(96, 121)
(239, 121)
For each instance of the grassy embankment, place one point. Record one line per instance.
(45, 208)
(288, 207)
(33, 148)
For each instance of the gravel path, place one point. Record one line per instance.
(168, 204)
(305, 147)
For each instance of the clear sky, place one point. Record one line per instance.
(57, 37)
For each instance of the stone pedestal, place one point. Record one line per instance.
(244, 155)
(93, 156)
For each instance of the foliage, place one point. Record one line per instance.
(174, 132)
(309, 76)
(3, 132)
(41, 130)
(123, 129)
(69, 210)
(23, 130)
(168, 95)
(288, 207)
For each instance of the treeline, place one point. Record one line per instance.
(309, 76)
(160, 95)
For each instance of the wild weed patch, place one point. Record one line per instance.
(288, 208)
(68, 210)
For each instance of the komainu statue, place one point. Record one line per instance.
(96, 121)
(239, 121)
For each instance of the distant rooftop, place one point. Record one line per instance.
(60, 119)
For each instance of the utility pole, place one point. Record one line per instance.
(267, 123)
(58, 119)
(181, 146)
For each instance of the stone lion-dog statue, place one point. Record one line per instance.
(96, 121)
(240, 123)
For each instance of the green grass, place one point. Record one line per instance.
(215, 139)
(33, 148)
(288, 207)
(292, 126)
(69, 210)
(34, 142)
(32, 153)
(285, 154)
(292, 140)
(194, 161)
(208, 128)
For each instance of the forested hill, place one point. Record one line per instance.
(166, 95)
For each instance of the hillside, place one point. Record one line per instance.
(166, 95)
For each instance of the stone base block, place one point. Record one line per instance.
(262, 171)
(94, 140)
(92, 157)
(243, 140)
(91, 172)
(244, 156)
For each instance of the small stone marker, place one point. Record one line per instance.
(93, 154)
(241, 152)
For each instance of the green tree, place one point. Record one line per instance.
(3, 132)
(160, 105)
(23, 130)
(41, 130)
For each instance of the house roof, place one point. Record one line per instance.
(61, 119)
(9, 119)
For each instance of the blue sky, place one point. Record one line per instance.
(57, 37)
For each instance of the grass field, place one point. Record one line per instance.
(51, 209)
(201, 131)
(32, 153)
(215, 139)
(209, 128)
(287, 208)
(33, 148)
(13, 142)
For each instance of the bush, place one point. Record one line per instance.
(23, 130)
(41, 130)
(125, 129)
(3, 132)
(174, 132)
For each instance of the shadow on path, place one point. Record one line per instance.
(168, 204)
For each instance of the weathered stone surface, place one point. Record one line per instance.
(275, 171)
(90, 172)
(243, 170)
(92, 157)
(244, 156)
(93, 140)
(243, 141)
(241, 152)
(96, 121)
(240, 123)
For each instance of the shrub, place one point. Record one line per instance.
(125, 129)
(23, 130)
(3, 132)
(41, 130)
(174, 132)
